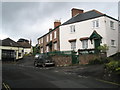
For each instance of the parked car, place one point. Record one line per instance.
(43, 60)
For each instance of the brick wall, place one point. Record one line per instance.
(84, 59)
(62, 60)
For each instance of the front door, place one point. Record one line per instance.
(96, 44)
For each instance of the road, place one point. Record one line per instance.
(25, 75)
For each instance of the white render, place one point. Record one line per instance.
(85, 29)
(27, 50)
(16, 49)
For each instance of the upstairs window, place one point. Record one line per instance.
(95, 23)
(112, 25)
(47, 38)
(55, 34)
(50, 36)
(72, 28)
(41, 40)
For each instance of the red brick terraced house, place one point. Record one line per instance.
(50, 41)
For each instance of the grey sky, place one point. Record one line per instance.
(30, 20)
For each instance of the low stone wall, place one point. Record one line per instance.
(62, 60)
(84, 59)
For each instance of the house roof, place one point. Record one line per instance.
(49, 31)
(86, 16)
(24, 44)
(10, 42)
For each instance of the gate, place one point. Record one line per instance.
(75, 58)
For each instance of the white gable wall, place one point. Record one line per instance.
(85, 29)
(112, 34)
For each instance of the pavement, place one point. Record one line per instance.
(23, 74)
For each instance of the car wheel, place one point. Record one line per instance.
(44, 65)
(35, 64)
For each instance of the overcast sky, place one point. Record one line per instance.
(30, 20)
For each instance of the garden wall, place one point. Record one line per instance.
(84, 59)
(62, 60)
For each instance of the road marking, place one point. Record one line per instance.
(108, 82)
(6, 86)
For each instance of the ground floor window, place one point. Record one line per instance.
(41, 50)
(47, 49)
(84, 44)
(73, 45)
(55, 46)
(112, 42)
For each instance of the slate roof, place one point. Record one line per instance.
(85, 16)
(10, 42)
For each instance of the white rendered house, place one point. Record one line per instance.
(89, 30)
(10, 50)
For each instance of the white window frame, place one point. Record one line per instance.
(72, 29)
(47, 38)
(96, 24)
(73, 45)
(112, 25)
(55, 46)
(84, 44)
(55, 34)
(47, 48)
(50, 36)
(42, 50)
(113, 42)
(41, 40)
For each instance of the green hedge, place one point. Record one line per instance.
(113, 66)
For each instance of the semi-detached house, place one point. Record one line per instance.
(84, 32)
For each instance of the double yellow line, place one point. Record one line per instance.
(6, 86)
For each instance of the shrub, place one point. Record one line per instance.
(95, 61)
(99, 61)
(113, 66)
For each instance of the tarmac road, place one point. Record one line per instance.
(25, 75)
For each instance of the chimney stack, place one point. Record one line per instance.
(57, 23)
(76, 11)
(50, 29)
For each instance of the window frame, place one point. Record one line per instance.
(84, 44)
(73, 45)
(50, 36)
(72, 29)
(55, 46)
(113, 43)
(112, 25)
(96, 23)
